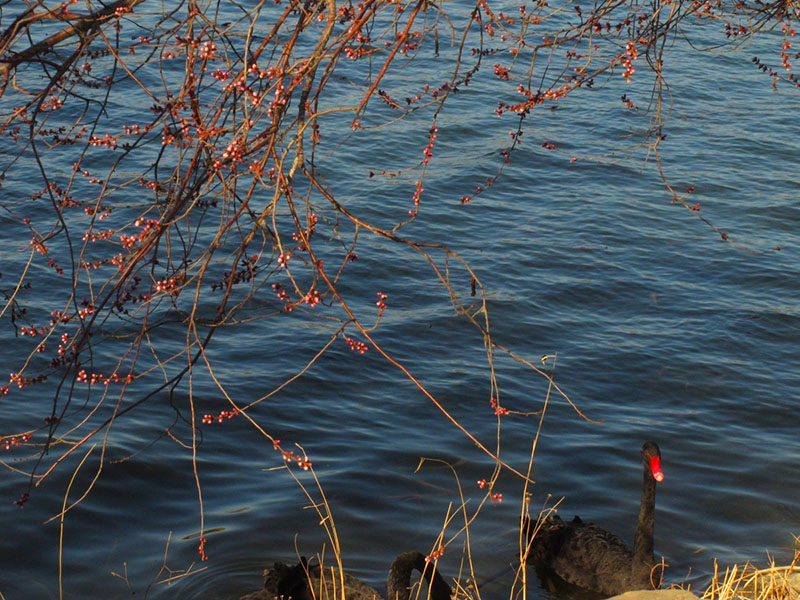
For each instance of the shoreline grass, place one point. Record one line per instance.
(748, 582)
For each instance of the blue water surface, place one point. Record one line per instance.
(655, 328)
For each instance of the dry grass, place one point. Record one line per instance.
(748, 582)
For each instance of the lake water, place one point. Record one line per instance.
(661, 331)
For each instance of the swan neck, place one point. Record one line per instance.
(643, 558)
(399, 580)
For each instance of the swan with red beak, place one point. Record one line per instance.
(590, 557)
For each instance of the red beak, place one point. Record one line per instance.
(655, 467)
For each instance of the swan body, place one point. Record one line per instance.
(592, 558)
(308, 582)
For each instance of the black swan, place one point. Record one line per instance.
(587, 556)
(305, 582)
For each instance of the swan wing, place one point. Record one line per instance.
(593, 558)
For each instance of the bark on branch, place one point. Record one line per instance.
(11, 60)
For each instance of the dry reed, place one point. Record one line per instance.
(747, 582)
